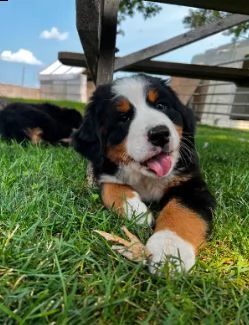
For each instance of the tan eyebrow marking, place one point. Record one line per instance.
(123, 105)
(152, 95)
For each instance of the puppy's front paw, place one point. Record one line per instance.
(136, 209)
(167, 246)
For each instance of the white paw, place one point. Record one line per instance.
(166, 245)
(136, 209)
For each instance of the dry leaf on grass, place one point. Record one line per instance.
(132, 249)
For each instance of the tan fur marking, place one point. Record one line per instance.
(152, 95)
(179, 130)
(123, 106)
(184, 222)
(177, 180)
(118, 154)
(34, 135)
(114, 195)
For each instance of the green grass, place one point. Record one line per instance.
(65, 103)
(55, 270)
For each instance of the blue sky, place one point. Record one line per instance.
(34, 31)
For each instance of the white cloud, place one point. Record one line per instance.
(54, 33)
(22, 56)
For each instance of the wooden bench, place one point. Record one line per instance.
(96, 22)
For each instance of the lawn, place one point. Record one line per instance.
(55, 270)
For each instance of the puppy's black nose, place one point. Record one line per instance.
(159, 135)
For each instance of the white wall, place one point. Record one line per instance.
(213, 101)
(66, 88)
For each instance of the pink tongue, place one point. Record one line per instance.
(160, 164)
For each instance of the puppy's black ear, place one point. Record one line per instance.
(187, 114)
(189, 122)
(87, 139)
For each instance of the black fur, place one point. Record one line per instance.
(195, 195)
(101, 126)
(56, 123)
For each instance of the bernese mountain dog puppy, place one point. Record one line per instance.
(43, 122)
(139, 138)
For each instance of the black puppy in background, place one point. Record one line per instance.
(37, 123)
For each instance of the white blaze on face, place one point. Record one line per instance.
(138, 146)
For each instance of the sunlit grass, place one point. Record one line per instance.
(55, 270)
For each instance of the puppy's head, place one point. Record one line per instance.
(136, 121)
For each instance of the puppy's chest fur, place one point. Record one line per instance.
(149, 189)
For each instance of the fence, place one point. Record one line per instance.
(222, 103)
(19, 91)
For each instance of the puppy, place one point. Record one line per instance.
(38, 122)
(140, 140)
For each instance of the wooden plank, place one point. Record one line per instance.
(72, 59)
(88, 15)
(179, 41)
(193, 71)
(239, 6)
(107, 42)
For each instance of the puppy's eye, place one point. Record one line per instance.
(124, 117)
(162, 107)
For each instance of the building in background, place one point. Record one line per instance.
(223, 103)
(63, 82)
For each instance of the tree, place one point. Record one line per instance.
(130, 7)
(201, 17)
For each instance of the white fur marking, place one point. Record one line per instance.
(167, 245)
(136, 209)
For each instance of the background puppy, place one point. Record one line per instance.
(38, 122)
(140, 140)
